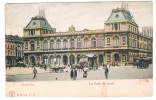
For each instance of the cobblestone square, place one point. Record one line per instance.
(122, 72)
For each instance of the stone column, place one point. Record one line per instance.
(75, 59)
(97, 59)
(40, 59)
(75, 45)
(48, 47)
(40, 45)
(68, 60)
(61, 62)
(82, 43)
(29, 45)
(61, 43)
(89, 42)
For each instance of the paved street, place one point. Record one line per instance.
(114, 73)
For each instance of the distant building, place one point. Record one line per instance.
(10, 51)
(118, 42)
(16, 49)
(147, 31)
(19, 48)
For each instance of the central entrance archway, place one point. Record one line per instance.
(116, 58)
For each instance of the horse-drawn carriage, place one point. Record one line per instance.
(142, 63)
(57, 68)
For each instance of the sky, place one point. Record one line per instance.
(61, 16)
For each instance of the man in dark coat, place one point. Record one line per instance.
(73, 74)
(106, 72)
(35, 72)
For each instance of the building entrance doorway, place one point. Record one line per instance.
(32, 60)
(65, 60)
(116, 58)
(72, 60)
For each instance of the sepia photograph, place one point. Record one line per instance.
(91, 47)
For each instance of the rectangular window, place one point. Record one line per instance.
(58, 46)
(72, 45)
(38, 44)
(93, 44)
(100, 44)
(79, 45)
(51, 46)
(85, 44)
(65, 45)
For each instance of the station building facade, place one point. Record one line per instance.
(118, 42)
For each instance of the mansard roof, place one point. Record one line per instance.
(14, 38)
(38, 22)
(121, 14)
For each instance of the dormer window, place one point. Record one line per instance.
(34, 23)
(116, 16)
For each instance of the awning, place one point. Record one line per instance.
(83, 60)
(90, 55)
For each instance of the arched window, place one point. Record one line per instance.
(58, 60)
(51, 59)
(100, 42)
(65, 44)
(108, 58)
(79, 43)
(116, 41)
(108, 41)
(72, 59)
(86, 43)
(32, 45)
(78, 58)
(123, 40)
(51, 44)
(93, 42)
(100, 59)
(65, 60)
(72, 43)
(45, 45)
(58, 44)
(46, 60)
(123, 58)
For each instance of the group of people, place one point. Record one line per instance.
(73, 73)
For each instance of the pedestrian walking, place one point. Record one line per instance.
(106, 72)
(85, 72)
(73, 74)
(35, 73)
